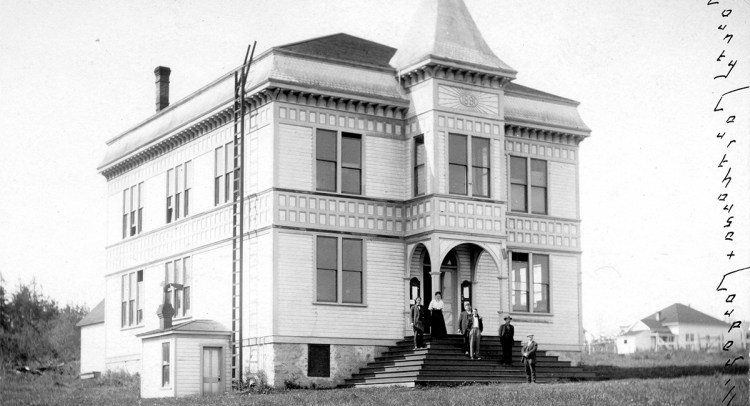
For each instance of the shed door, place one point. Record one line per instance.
(211, 370)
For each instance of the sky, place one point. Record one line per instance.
(75, 74)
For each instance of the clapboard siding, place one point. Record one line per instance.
(386, 168)
(295, 157)
(92, 348)
(497, 170)
(441, 161)
(188, 371)
(487, 293)
(212, 285)
(381, 318)
(152, 363)
(259, 160)
(260, 305)
(563, 190)
(563, 327)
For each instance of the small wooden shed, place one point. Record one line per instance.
(186, 359)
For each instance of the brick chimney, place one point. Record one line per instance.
(165, 313)
(162, 87)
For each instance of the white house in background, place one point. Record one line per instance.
(372, 175)
(674, 327)
(92, 341)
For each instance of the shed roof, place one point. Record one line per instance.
(95, 316)
(192, 326)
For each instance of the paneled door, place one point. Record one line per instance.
(212, 371)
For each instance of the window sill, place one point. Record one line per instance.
(340, 304)
(132, 327)
(538, 314)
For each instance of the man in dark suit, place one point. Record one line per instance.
(529, 359)
(506, 340)
(417, 323)
(464, 326)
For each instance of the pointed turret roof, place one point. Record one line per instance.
(442, 31)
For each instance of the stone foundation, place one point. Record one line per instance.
(286, 364)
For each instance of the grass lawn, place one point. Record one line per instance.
(691, 390)
(641, 379)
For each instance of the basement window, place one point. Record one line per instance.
(319, 360)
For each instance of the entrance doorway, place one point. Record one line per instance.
(449, 270)
(211, 371)
(426, 279)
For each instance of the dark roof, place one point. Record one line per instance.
(95, 316)
(678, 313)
(193, 326)
(513, 87)
(344, 47)
(655, 326)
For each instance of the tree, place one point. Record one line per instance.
(33, 329)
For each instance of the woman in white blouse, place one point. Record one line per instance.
(437, 323)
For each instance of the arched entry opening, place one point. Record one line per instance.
(468, 273)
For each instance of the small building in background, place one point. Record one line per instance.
(92, 342)
(674, 327)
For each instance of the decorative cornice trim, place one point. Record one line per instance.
(531, 133)
(342, 103)
(182, 137)
(255, 101)
(461, 75)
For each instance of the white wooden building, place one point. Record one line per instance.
(675, 327)
(372, 175)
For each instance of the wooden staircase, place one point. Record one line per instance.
(443, 363)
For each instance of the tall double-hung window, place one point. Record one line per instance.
(530, 282)
(131, 298)
(528, 185)
(340, 272)
(338, 162)
(132, 211)
(223, 173)
(468, 165)
(420, 172)
(179, 272)
(179, 183)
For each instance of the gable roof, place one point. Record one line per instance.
(343, 47)
(95, 316)
(444, 31)
(678, 313)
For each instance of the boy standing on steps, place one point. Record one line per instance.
(529, 359)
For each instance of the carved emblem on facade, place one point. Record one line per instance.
(468, 100)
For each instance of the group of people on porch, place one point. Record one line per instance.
(470, 326)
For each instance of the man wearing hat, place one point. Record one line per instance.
(529, 359)
(506, 340)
